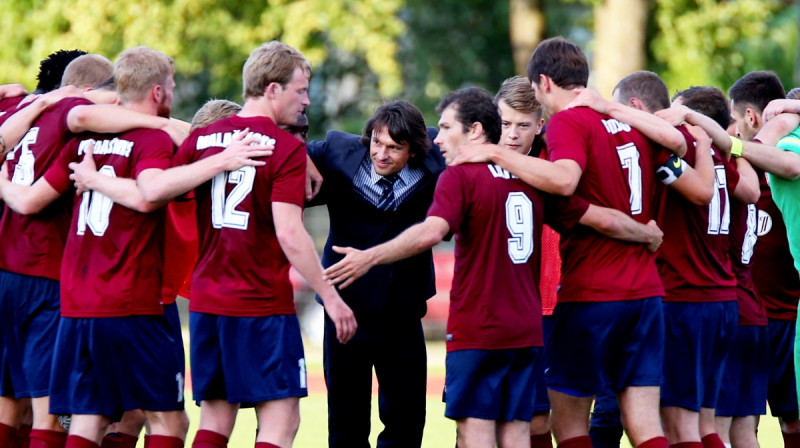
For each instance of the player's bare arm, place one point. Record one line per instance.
(780, 106)
(313, 179)
(163, 185)
(24, 199)
(414, 240)
(679, 114)
(618, 225)
(696, 184)
(560, 177)
(651, 126)
(123, 191)
(12, 90)
(19, 123)
(113, 119)
(784, 164)
(299, 249)
(748, 189)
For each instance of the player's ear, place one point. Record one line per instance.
(475, 131)
(272, 90)
(753, 118)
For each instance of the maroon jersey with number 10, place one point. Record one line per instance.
(113, 260)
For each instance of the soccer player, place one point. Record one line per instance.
(777, 282)
(115, 351)
(250, 229)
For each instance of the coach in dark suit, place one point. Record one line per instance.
(375, 186)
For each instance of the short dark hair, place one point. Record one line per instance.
(404, 123)
(756, 90)
(561, 60)
(51, 69)
(709, 101)
(647, 87)
(474, 105)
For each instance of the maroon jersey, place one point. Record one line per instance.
(618, 173)
(8, 106)
(694, 261)
(34, 244)
(242, 270)
(497, 220)
(113, 260)
(777, 281)
(742, 243)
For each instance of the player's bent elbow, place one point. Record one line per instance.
(27, 207)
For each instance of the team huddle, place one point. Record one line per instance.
(630, 269)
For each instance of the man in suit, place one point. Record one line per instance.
(376, 186)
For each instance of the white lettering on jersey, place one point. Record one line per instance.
(115, 146)
(23, 170)
(615, 126)
(498, 172)
(223, 139)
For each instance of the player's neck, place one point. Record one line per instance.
(257, 107)
(560, 98)
(144, 107)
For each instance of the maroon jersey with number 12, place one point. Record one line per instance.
(242, 270)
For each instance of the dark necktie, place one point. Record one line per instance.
(386, 201)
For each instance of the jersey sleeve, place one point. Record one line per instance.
(449, 198)
(567, 139)
(288, 184)
(57, 175)
(157, 154)
(564, 212)
(791, 142)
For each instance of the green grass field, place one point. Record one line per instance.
(439, 431)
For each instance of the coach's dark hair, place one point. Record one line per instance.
(405, 124)
(756, 90)
(647, 87)
(709, 101)
(474, 105)
(561, 60)
(51, 69)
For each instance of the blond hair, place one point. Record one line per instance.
(87, 71)
(212, 111)
(518, 94)
(794, 94)
(138, 69)
(271, 62)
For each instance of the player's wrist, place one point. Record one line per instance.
(736, 146)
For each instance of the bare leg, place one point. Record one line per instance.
(744, 432)
(476, 433)
(570, 415)
(278, 421)
(639, 411)
(91, 427)
(514, 434)
(681, 425)
(218, 416)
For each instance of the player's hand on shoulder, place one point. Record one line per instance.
(59, 94)
(343, 318)
(176, 133)
(700, 136)
(674, 115)
(244, 149)
(355, 264)
(82, 172)
(589, 98)
(473, 153)
(12, 90)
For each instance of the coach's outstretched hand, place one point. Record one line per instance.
(244, 149)
(355, 264)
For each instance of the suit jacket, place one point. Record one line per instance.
(400, 288)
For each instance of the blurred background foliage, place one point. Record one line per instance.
(364, 51)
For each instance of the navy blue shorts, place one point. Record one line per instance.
(541, 401)
(698, 339)
(744, 381)
(227, 364)
(782, 390)
(605, 344)
(105, 366)
(491, 384)
(29, 316)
